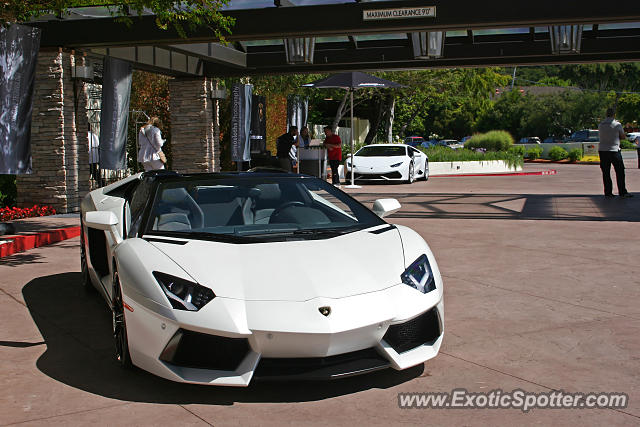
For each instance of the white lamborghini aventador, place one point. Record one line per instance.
(222, 278)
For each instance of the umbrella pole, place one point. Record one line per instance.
(352, 185)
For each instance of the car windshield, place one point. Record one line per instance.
(381, 151)
(251, 209)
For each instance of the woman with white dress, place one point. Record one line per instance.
(151, 142)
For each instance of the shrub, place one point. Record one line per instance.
(626, 145)
(534, 153)
(575, 154)
(495, 140)
(445, 154)
(517, 149)
(558, 153)
(8, 190)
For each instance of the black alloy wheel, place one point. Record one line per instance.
(119, 325)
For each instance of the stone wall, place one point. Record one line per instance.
(194, 140)
(59, 143)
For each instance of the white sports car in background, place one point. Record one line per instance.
(388, 162)
(222, 278)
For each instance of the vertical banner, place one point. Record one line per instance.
(258, 135)
(114, 117)
(240, 122)
(297, 111)
(19, 47)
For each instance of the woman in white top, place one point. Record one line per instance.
(151, 142)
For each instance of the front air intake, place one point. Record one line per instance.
(424, 329)
(196, 350)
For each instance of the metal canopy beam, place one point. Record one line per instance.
(214, 52)
(340, 20)
(485, 51)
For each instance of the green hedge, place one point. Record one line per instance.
(558, 153)
(575, 154)
(627, 145)
(534, 153)
(445, 154)
(517, 149)
(495, 140)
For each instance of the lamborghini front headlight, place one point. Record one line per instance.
(183, 294)
(419, 275)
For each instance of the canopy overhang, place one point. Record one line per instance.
(495, 32)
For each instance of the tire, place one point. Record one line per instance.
(426, 170)
(84, 267)
(412, 174)
(120, 337)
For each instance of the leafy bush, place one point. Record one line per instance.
(534, 153)
(558, 153)
(445, 154)
(495, 140)
(8, 190)
(626, 145)
(575, 154)
(517, 149)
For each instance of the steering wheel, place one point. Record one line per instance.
(284, 206)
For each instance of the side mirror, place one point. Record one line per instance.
(102, 220)
(384, 207)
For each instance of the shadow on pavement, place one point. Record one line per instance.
(511, 206)
(21, 258)
(76, 327)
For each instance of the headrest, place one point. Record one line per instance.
(269, 191)
(174, 195)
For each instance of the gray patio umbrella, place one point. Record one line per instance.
(352, 81)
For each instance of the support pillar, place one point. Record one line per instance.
(195, 146)
(59, 142)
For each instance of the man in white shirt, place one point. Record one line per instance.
(611, 133)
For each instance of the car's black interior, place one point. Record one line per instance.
(217, 208)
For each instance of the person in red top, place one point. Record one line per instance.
(333, 144)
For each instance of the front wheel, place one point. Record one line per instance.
(412, 174)
(120, 325)
(426, 171)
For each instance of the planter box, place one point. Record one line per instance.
(460, 168)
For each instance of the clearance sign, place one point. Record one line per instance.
(399, 13)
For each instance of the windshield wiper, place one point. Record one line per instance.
(215, 237)
(336, 231)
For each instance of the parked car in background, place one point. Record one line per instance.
(451, 143)
(529, 140)
(585, 135)
(634, 137)
(430, 143)
(414, 141)
(553, 140)
(389, 162)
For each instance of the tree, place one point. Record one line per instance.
(617, 77)
(192, 13)
(629, 110)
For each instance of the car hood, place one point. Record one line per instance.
(351, 264)
(364, 162)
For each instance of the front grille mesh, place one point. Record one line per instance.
(415, 332)
(197, 350)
